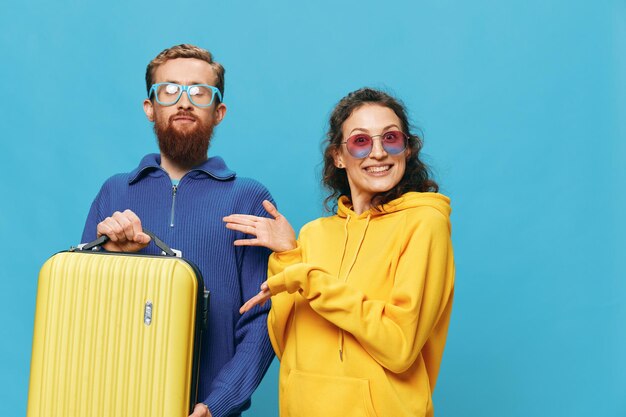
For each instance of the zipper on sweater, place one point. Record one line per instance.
(174, 189)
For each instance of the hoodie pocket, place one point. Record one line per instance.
(311, 395)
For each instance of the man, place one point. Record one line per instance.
(182, 196)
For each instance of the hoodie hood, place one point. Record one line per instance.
(408, 200)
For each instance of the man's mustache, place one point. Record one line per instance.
(183, 113)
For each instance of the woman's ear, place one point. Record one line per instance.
(407, 151)
(338, 159)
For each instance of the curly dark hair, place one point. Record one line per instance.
(417, 176)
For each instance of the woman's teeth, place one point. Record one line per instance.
(378, 168)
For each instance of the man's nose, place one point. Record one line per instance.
(378, 152)
(184, 102)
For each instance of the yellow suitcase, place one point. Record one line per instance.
(116, 335)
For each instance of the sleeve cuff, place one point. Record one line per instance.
(288, 257)
(276, 283)
(290, 279)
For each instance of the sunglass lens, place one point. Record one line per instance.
(359, 146)
(394, 142)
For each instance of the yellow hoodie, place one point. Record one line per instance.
(360, 310)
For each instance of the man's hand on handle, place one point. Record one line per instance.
(124, 232)
(200, 410)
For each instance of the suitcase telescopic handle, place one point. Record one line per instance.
(104, 239)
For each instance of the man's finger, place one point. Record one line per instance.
(126, 225)
(142, 238)
(117, 229)
(105, 228)
(134, 220)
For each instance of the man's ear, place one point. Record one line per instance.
(148, 109)
(220, 113)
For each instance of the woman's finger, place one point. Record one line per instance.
(271, 209)
(257, 299)
(247, 242)
(249, 230)
(240, 218)
(248, 305)
(243, 222)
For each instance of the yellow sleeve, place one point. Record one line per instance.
(278, 261)
(282, 304)
(392, 331)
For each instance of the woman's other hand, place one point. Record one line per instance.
(261, 298)
(275, 234)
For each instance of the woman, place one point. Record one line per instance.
(361, 301)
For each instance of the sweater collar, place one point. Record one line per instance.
(214, 167)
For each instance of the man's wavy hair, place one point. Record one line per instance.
(185, 50)
(417, 176)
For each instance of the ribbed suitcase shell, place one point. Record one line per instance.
(94, 352)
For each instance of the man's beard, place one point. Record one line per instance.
(186, 148)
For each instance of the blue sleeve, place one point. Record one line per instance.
(94, 217)
(232, 388)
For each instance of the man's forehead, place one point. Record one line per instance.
(185, 71)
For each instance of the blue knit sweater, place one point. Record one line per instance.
(236, 351)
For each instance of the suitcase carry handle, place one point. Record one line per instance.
(104, 239)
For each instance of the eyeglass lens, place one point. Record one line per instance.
(168, 94)
(360, 145)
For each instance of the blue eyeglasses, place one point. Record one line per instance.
(200, 95)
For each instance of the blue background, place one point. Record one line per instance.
(522, 104)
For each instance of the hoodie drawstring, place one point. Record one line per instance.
(345, 278)
(345, 242)
(358, 248)
(343, 255)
